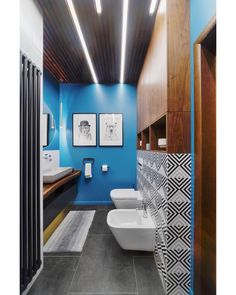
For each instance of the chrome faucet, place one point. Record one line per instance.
(47, 157)
(144, 208)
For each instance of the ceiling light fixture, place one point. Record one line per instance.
(98, 6)
(81, 37)
(123, 44)
(152, 6)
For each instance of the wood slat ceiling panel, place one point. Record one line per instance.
(63, 54)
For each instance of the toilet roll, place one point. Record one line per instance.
(104, 168)
(88, 170)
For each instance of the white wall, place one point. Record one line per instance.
(50, 159)
(31, 44)
(31, 31)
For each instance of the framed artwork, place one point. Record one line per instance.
(84, 129)
(45, 126)
(111, 129)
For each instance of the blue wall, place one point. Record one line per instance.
(51, 99)
(201, 12)
(95, 98)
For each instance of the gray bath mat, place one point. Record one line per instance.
(71, 234)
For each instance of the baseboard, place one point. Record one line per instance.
(91, 203)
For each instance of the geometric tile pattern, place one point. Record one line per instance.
(165, 182)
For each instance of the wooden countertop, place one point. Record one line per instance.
(49, 188)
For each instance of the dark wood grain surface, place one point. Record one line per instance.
(179, 132)
(49, 188)
(152, 85)
(63, 53)
(178, 55)
(164, 84)
(205, 162)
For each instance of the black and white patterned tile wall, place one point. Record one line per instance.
(165, 182)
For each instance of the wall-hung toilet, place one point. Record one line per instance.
(126, 198)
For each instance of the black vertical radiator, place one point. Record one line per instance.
(30, 236)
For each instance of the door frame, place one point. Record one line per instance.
(198, 184)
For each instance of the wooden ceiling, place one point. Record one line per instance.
(63, 54)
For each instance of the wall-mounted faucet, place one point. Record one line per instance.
(47, 157)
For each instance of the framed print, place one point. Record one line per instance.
(45, 125)
(84, 129)
(111, 129)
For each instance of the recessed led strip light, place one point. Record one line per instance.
(81, 37)
(98, 6)
(152, 6)
(124, 37)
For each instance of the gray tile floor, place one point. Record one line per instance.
(102, 267)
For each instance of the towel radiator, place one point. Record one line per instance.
(30, 236)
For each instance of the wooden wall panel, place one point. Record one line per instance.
(178, 55)
(178, 132)
(164, 84)
(152, 85)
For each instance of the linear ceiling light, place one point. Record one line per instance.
(81, 37)
(152, 6)
(123, 44)
(98, 6)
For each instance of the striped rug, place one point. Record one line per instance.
(71, 234)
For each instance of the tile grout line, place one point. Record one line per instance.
(73, 276)
(135, 276)
(108, 234)
(86, 241)
(78, 263)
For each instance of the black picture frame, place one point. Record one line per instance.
(47, 129)
(73, 130)
(122, 130)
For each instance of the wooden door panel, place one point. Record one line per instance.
(205, 164)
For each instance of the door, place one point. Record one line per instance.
(205, 162)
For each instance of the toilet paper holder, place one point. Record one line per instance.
(86, 160)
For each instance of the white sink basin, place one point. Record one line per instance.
(54, 174)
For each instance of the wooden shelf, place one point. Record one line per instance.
(139, 139)
(159, 151)
(152, 134)
(145, 138)
(157, 131)
(49, 188)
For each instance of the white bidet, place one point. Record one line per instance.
(131, 230)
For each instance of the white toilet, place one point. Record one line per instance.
(131, 229)
(126, 198)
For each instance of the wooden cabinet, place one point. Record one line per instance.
(164, 84)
